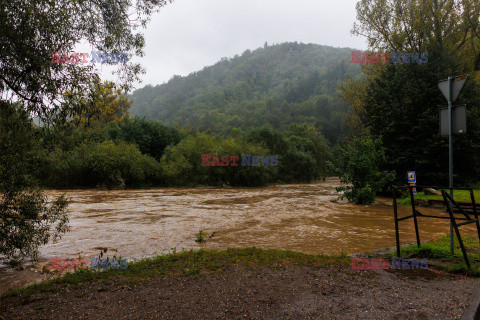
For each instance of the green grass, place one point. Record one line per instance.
(197, 262)
(438, 253)
(187, 263)
(458, 195)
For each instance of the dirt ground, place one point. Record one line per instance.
(262, 293)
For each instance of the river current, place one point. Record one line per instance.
(299, 217)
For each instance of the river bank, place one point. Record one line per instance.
(297, 217)
(245, 284)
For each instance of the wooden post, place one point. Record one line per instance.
(414, 216)
(475, 212)
(455, 227)
(397, 233)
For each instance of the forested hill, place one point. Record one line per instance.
(279, 84)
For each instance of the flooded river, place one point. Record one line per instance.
(301, 217)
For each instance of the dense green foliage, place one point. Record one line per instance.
(399, 103)
(289, 89)
(31, 30)
(183, 162)
(151, 137)
(105, 164)
(361, 170)
(25, 217)
(403, 107)
(105, 155)
(303, 151)
(417, 26)
(138, 153)
(277, 85)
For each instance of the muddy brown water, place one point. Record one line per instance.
(300, 217)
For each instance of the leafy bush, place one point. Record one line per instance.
(26, 220)
(299, 164)
(316, 146)
(25, 217)
(246, 176)
(182, 163)
(362, 160)
(151, 137)
(106, 164)
(303, 151)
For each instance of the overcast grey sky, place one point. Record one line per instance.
(187, 35)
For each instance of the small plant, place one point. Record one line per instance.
(200, 237)
(115, 263)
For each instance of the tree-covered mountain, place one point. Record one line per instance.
(280, 84)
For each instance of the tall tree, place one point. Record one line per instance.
(401, 106)
(417, 25)
(32, 30)
(103, 104)
(25, 216)
(399, 103)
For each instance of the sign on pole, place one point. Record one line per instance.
(459, 120)
(412, 178)
(450, 89)
(457, 86)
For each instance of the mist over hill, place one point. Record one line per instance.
(278, 85)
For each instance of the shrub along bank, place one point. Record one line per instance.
(137, 153)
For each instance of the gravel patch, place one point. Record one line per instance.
(259, 293)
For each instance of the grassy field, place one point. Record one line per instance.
(458, 195)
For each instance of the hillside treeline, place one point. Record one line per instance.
(280, 85)
(136, 153)
(103, 146)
